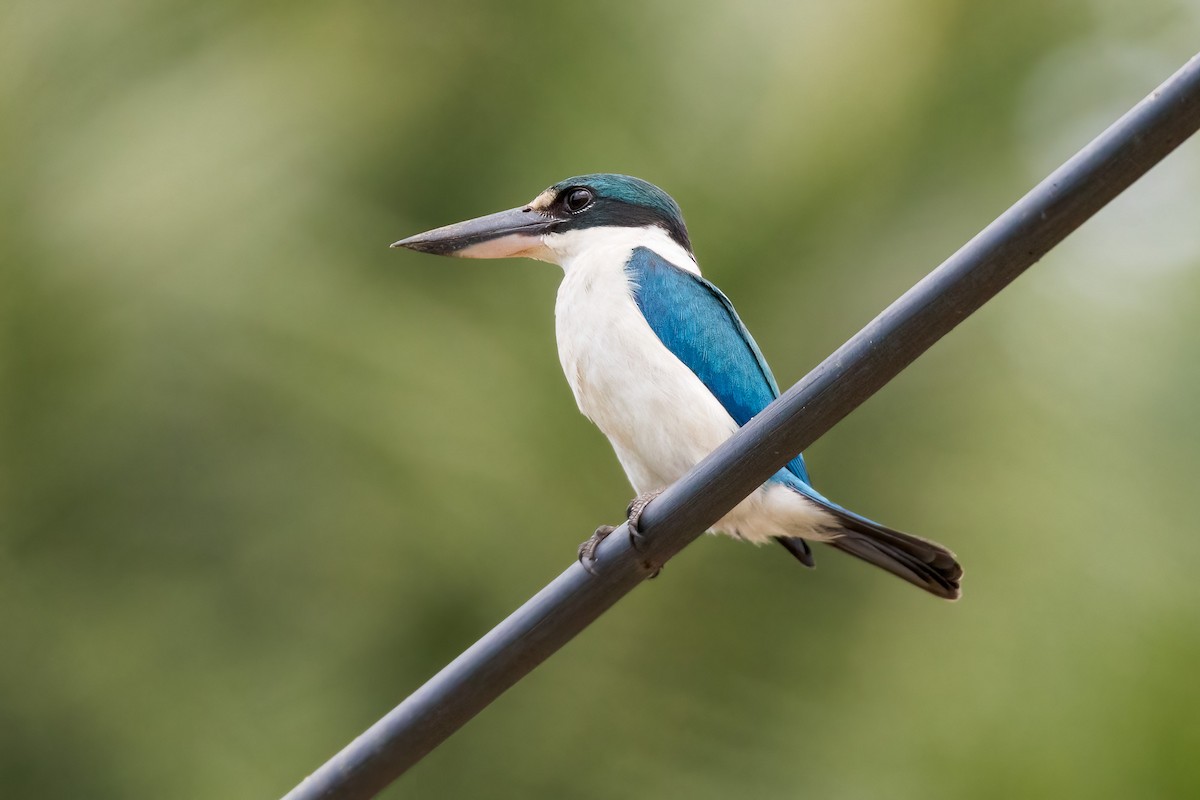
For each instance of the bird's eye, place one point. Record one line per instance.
(578, 199)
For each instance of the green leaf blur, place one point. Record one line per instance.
(261, 476)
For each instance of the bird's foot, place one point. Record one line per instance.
(634, 514)
(587, 550)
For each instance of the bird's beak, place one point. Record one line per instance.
(516, 232)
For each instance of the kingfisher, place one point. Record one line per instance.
(659, 360)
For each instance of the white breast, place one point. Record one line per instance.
(658, 415)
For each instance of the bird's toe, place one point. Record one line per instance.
(634, 513)
(587, 550)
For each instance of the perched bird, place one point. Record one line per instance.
(659, 360)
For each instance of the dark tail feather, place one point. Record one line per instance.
(799, 548)
(919, 561)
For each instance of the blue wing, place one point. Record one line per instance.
(697, 323)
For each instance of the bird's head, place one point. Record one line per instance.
(553, 225)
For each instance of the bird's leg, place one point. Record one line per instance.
(587, 550)
(634, 514)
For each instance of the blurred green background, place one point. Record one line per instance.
(261, 476)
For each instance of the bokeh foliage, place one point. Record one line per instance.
(260, 476)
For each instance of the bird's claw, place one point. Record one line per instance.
(587, 550)
(634, 514)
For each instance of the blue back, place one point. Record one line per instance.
(697, 323)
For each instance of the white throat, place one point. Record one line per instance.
(566, 249)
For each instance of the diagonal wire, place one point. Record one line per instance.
(859, 368)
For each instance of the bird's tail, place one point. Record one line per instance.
(919, 561)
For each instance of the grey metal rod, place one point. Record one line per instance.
(907, 328)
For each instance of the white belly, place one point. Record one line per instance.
(659, 416)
